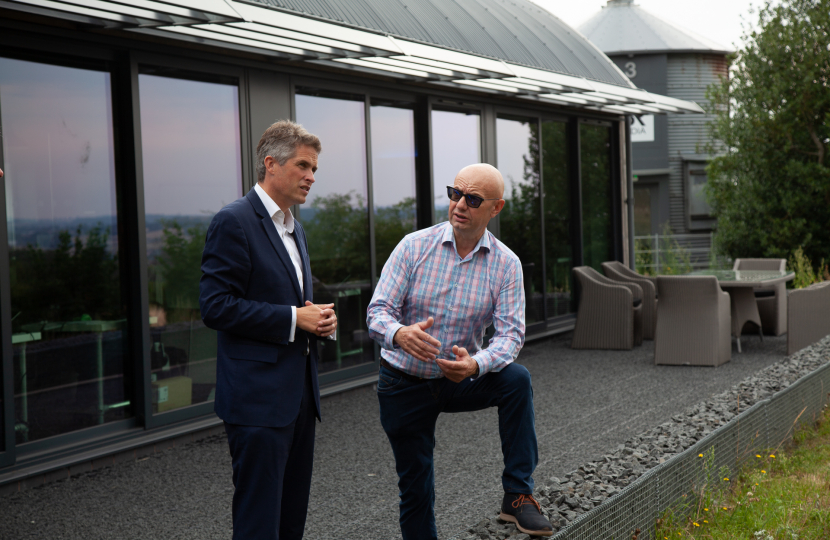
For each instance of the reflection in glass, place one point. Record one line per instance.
(191, 155)
(557, 205)
(520, 222)
(597, 232)
(393, 175)
(456, 143)
(68, 317)
(336, 221)
(698, 204)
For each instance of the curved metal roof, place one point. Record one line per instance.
(623, 27)
(516, 31)
(254, 27)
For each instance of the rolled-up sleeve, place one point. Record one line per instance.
(508, 322)
(383, 317)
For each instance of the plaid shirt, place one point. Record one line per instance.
(426, 277)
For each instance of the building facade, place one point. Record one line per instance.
(669, 152)
(126, 127)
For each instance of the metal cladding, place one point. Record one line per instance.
(625, 27)
(688, 76)
(512, 30)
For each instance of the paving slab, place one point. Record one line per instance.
(587, 402)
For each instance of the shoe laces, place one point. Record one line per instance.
(522, 499)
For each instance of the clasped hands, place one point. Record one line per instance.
(319, 319)
(414, 340)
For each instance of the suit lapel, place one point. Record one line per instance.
(276, 241)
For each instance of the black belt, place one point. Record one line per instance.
(404, 375)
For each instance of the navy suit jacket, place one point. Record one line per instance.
(247, 289)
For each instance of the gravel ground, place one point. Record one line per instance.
(581, 490)
(587, 403)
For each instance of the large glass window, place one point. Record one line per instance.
(191, 156)
(520, 222)
(456, 143)
(393, 177)
(68, 313)
(558, 215)
(336, 221)
(597, 226)
(698, 204)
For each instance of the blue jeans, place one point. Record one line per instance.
(409, 411)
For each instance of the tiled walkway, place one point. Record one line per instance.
(586, 402)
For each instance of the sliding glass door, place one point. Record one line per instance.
(520, 221)
(68, 316)
(191, 157)
(558, 216)
(336, 221)
(456, 143)
(597, 197)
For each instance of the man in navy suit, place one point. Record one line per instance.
(256, 291)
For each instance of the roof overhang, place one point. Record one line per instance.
(255, 28)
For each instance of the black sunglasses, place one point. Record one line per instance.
(473, 201)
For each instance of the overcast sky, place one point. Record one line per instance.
(718, 20)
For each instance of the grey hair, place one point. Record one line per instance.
(281, 141)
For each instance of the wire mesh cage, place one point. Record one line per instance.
(709, 464)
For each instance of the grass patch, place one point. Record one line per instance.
(781, 495)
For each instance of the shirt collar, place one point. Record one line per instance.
(282, 218)
(449, 237)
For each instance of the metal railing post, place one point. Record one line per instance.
(656, 249)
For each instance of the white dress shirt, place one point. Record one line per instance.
(284, 223)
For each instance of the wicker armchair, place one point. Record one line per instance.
(772, 301)
(610, 313)
(807, 316)
(619, 272)
(693, 322)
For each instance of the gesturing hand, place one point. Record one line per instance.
(416, 342)
(319, 319)
(463, 367)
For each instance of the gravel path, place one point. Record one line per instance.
(587, 403)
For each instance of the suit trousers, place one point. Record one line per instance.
(272, 474)
(409, 411)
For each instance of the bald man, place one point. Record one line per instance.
(438, 292)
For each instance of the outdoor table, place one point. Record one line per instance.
(740, 285)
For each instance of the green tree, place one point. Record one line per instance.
(78, 279)
(392, 223)
(179, 264)
(771, 189)
(338, 238)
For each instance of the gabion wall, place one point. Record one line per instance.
(768, 424)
